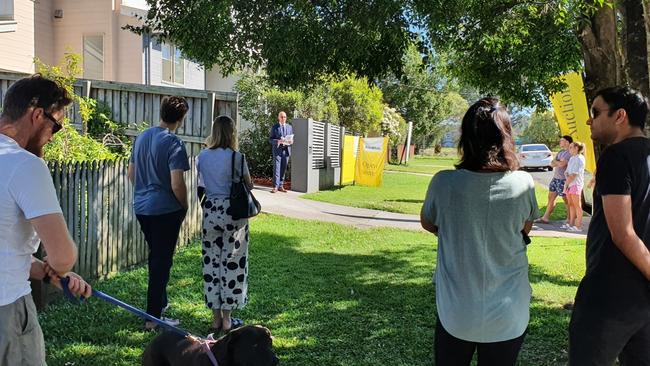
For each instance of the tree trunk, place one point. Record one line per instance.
(635, 47)
(602, 55)
(601, 52)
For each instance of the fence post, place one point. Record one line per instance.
(85, 93)
(211, 99)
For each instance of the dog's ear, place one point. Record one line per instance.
(225, 347)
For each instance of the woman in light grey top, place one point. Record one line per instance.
(481, 213)
(224, 239)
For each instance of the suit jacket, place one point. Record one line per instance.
(276, 134)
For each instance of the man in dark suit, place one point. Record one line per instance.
(281, 147)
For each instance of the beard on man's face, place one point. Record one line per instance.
(34, 146)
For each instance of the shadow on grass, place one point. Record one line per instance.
(323, 305)
(536, 274)
(323, 308)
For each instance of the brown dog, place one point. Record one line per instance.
(247, 346)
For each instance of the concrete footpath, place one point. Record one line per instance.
(290, 204)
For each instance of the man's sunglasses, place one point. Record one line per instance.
(57, 126)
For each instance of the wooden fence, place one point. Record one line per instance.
(135, 103)
(97, 203)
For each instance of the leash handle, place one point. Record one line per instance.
(65, 283)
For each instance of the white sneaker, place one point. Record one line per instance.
(574, 229)
(565, 226)
(170, 321)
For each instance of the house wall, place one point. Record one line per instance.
(18, 46)
(85, 17)
(43, 34)
(215, 81)
(130, 58)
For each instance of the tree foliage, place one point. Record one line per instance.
(423, 95)
(360, 105)
(296, 41)
(543, 129)
(510, 48)
(68, 145)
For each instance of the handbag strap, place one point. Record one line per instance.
(232, 167)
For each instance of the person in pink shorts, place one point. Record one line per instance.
(575, 177)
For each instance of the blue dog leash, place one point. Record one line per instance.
(205, 342)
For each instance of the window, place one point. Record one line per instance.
(93, 57)
(7, 22)
(6, 10)
(173, 64)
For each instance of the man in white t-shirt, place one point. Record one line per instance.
(30, 213)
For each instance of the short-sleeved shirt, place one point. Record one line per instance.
(26, 192)
(558, 172)
(482, 288)
(611, 281)
(576, 166)
(215, 171)
(157, 151)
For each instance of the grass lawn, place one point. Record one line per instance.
(331, 294)
(404, 193)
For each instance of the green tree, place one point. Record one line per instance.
(296, 41)
(424, 96)
(543, 129)
(360, 105)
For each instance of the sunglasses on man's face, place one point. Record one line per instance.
(57, 126)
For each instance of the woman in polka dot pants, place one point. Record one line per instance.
(224, 240)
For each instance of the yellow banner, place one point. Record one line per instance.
(370, 161)
(349, 159)
(572, 112)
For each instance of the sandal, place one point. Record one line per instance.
(234, 324)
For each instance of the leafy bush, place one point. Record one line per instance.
(70, 146)
(360, 106)
(254, 143)
(543, 129)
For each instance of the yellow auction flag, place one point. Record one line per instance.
(370, 161)
(572, 112)
(348, 164)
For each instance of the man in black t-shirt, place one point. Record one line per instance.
(611, 316)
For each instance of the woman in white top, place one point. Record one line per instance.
(224, 240)
(575, 177)
(481, 212)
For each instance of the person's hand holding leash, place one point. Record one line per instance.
(77, 285)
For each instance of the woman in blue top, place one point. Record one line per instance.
(481, 212)
(225, 240)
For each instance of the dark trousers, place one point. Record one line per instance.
(598, 338)
(161, 233)
(452, 351)
(280, 162)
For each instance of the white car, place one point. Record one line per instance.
(535, 156)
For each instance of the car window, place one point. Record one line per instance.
(534, 148)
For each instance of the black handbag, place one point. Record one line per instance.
(243, 204)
